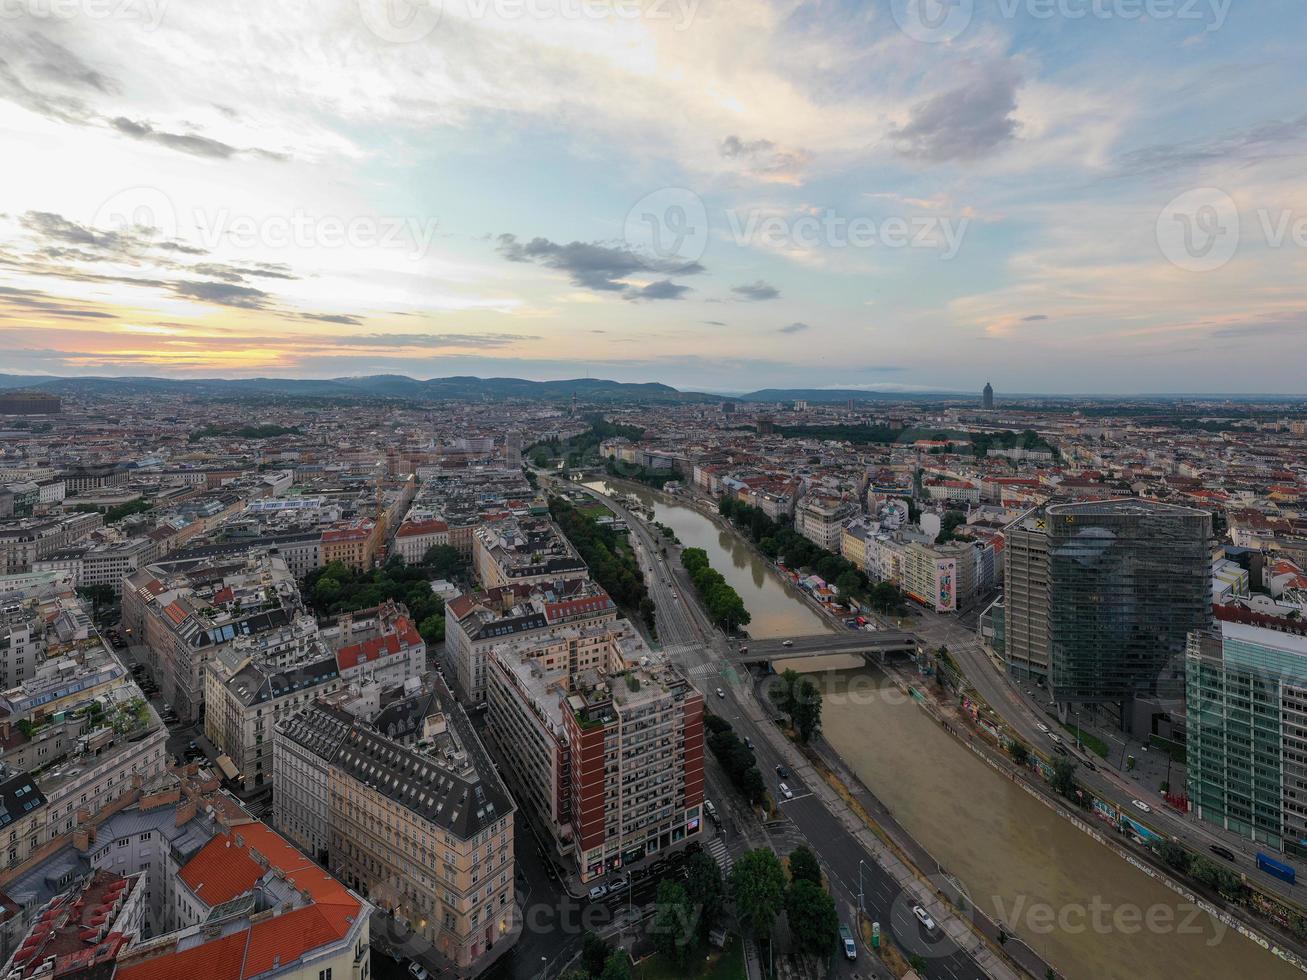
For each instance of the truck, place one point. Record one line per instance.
(846, 938)
(1273, 867)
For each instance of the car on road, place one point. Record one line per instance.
(418, 972)
(846, 939)
(1220, 851)
(1141, 805)
(786, 792)
(721, 694)
(1061, 750)
(676, 595)
(782, 772)
(598, 892)
(1043, 728)
(1090, 766)
(618, 885)
(1057, 739)
(748, 743)
(924, 918)
(710, 809)
(787, 643)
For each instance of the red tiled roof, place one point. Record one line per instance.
(413, 528)
(218, 960)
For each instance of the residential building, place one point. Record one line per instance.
(415, 538)
(425, 829)
(604, 739)
(821, 519)
(526, 551)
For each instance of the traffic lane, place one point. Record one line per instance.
(883, 900)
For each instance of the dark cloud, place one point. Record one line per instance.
(200, 146)
(1033, 317)
(239, 273)
(965, 123)
(1290, 326)
(35, 301)
(603, 268)
(662, 289)
(222, 293)
(44, 77)
(756, 291)
(796, 327)
(49, 225)
(343, 319)
(714, 323)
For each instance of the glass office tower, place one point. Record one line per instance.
(1128, 582)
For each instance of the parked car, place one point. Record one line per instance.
(598, 892)
(721, 694)
(710, 809)
(1141, 805)
(924, 918)
(782, 772)
(618, 885)
(417, 971)
(786, 792)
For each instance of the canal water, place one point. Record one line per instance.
(1082, 908)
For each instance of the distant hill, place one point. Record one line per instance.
(372, 386)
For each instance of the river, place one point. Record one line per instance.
(1082, 908)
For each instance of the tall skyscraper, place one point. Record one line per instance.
(987, 396)
(1128, 581)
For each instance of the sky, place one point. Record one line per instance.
(1052, 195)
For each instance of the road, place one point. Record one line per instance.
(845, 641)
(704, 653)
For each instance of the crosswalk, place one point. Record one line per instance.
(716, 849)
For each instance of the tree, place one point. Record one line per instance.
(594, 951)
(807, 710)
(1063, 779)
(1020, 754)
(814, 923)
(432, 629)
(804, 866)
(1173, 855)
(674, 923)
(617, 966)
(705, 889)
(758, 886)
(442, 560)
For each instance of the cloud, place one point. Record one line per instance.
(796, 327)
(32, 301)
(662, 289)
(222, 293)
(764, 159)
(49, 225)
(200, 146)
(714, 323)
(603, 268)
(344, 319)
(756, 291)
(233, 273)
(1033, 317)
(964, 123)
(1272, 140)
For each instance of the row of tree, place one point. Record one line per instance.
(612, 563)
(780, 542)
(736, 758)
(762, 890)
(337, 588)
(724, 605)
(800, 699)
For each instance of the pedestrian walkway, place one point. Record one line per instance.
(716, 849)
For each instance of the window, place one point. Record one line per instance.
(324, 974)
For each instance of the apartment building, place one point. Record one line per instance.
(246, 697)
(476, 622)
(181, 613)
(28, 540)
(354, 546)
(1026, 602)
(526, 551)
(604, 740)
(103, 564)
(415, 538)
(821, 519)
(424, 829)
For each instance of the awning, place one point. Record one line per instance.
(228, 767)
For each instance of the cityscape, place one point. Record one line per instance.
(652, 490)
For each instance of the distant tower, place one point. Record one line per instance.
(987, 397)
(513, 450)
